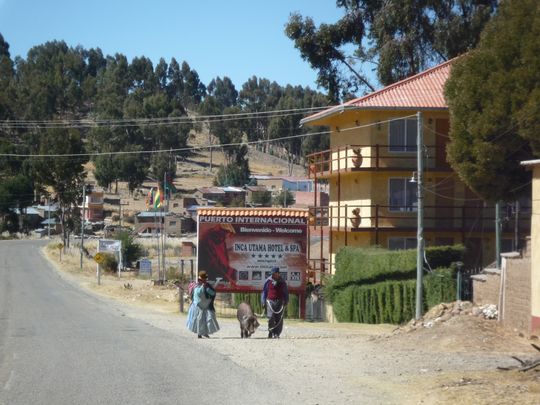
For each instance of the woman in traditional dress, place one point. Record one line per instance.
(202, 315)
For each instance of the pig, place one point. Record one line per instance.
(248, 320)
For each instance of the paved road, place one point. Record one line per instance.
(60, 345)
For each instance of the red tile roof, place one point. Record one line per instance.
(424, 90)
(254, 212)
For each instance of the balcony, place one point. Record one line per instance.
(381, 218)
(353, 158)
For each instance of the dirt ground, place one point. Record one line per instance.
(451, 362)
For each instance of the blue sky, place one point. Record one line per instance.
(235, 38)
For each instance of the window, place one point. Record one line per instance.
(172, 223)
(402, 195)
(402, 134)
(399, 243)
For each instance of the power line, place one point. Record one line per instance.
(191, 148)
(132, 122)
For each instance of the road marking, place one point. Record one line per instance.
(7, 386)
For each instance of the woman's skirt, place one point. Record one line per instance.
(202, 321)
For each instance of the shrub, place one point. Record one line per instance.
(392, 301)
(374, 285)
(439, 286)
(444, 256)
(109, 264)
(371, 265)
(131, 251)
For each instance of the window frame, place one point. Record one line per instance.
(403, 207)
(404, 239)
(404, 146)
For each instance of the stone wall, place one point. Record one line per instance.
(515, 302)
(486, 287)
(516, 312)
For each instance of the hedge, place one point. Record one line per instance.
(392, 301)
(372, 265)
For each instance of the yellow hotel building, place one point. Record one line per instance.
(369, 167)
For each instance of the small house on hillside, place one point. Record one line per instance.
(253, 192)
(93, 206)
(148, 223)
(276, 184)
(220, 195)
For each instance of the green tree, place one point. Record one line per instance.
(235, 173)
(106, 170)
(259, 95)
(223, 91)
(131, 250)
(64, 174)
(262, 198)
(193, 89)
(15, 192)
(7, 90)
(494, 99)
(398, 37)
(284, 199)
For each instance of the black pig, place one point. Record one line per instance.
(248, 320)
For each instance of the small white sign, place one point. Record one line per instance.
(109, 245)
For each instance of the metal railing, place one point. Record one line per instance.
(353, 218)
(370, 157)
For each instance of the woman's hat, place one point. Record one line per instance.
(203, 275)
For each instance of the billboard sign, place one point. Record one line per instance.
(111, 245)
(241, 246)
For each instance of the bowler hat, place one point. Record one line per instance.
(203, 275)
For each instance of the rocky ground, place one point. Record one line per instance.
(451, 356)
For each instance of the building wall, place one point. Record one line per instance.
(515, 302)
(486, 288)
(444, 198)
(535, 252)
(517, 294)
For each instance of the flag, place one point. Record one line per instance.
(158, 198)
(168, 186)
(150, 198)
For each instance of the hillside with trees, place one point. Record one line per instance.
(63, 107)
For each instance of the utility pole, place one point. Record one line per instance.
(82, 222)
(420, 215)
(498, 233)
(49, 218)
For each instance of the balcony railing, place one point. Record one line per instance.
(370, 157)
(357, 218)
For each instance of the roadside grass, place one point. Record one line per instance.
(129, 287)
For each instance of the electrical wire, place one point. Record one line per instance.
(163, 121)
(192, 148)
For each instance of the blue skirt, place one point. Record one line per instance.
(201, 321)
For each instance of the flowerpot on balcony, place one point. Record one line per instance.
(357, 158)
(356, 218)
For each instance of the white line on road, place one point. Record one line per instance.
(7, 386)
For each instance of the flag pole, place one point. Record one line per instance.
(157, 234)
(164, 237)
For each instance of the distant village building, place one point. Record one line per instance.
(148, 223)
(220, 195)
(304, 199)
(93, 206)
(252, 192)
(275, 184)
